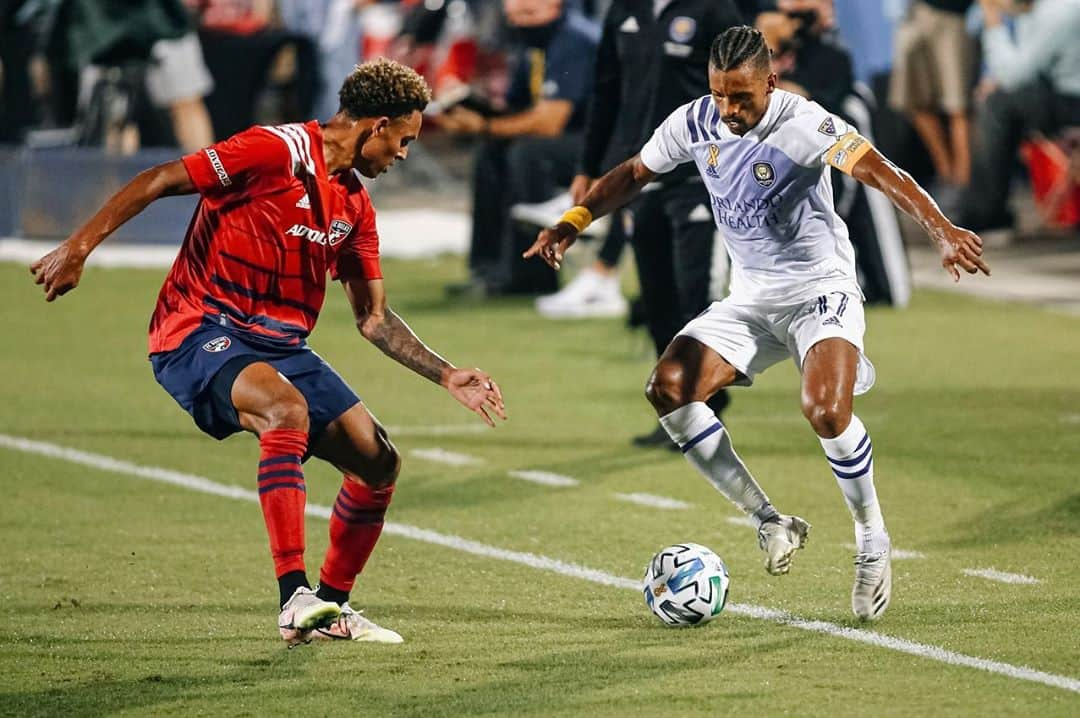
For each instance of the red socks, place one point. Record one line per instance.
(282, 494)
(355, 526)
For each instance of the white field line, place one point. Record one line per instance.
(657, 502)
(198, 483)
(741, 521)
(995, 575)
(898, 554)
(437, 429)
(543, 477)
(442, 456)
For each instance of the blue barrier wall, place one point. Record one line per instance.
(47, 193)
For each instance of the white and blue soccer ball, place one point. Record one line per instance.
(686, 584)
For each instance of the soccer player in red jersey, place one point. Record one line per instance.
(281, 207)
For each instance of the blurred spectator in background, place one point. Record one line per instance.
(333, 27)
(811, 61)
(17, 110)
(530, 150)
(121, 46)
(933, 75)
(1035, 88)
(246, 53)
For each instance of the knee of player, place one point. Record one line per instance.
(389, 464)
(291, 413)
(666, 388)
(828, 417)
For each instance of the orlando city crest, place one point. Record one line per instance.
(339, 230)
(764, 174)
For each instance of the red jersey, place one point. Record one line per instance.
(269, 226)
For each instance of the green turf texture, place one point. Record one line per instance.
(119, 596)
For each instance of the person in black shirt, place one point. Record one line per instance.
(530, 150)
(653, 58)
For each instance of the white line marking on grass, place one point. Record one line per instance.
(543, 477)
(437, 429)
(543, 563)
(897, 554)
(741, 521)
(657, 502)
(1070, 418)
(995, 575)
(442, 456)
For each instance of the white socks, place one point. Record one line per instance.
(851, 457)
(705, 442)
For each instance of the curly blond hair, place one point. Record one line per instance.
(383, 87)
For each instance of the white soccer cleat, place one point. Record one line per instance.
(303, 613)
(588, 295)
(780, 539)
(352, 626)
(873, 584)
(547, 214)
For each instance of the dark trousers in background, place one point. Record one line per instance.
(508, 172)
(1003, 122)
(673, 236)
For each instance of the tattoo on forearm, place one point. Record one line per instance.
(394, 338)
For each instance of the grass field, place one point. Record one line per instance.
(126, 596)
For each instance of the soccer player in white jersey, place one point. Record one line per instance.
(764, 155)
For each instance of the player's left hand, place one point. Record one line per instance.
(961, 248)
(59, 270)
(478, 391)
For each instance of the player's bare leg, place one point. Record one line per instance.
(272, 408)
(359, 447)
(684, 378)
(829, 372)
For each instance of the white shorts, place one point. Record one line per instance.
(752, 337)
(177, 71)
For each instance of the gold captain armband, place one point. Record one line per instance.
(847, 152)
(577, 217)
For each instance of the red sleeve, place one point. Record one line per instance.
(359, 257)
(247, 164)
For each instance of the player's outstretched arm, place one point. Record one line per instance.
(60, 269)
(386, 330)
(615, 189)
(959, 247)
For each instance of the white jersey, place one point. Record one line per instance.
(771, 195)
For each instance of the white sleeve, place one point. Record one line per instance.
(810, 134)
(669, 146)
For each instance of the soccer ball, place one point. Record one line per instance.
(686, 584)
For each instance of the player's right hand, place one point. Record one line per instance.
(59, 270)
(551, 244)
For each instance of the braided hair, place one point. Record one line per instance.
(737, 46)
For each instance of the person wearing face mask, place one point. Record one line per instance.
(527, 152)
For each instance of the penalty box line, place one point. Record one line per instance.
(544, 563)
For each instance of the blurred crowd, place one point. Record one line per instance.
(975, 94)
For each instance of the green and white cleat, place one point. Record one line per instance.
(781, 538)
(303, 613)
(873, 585)
(352, 626)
